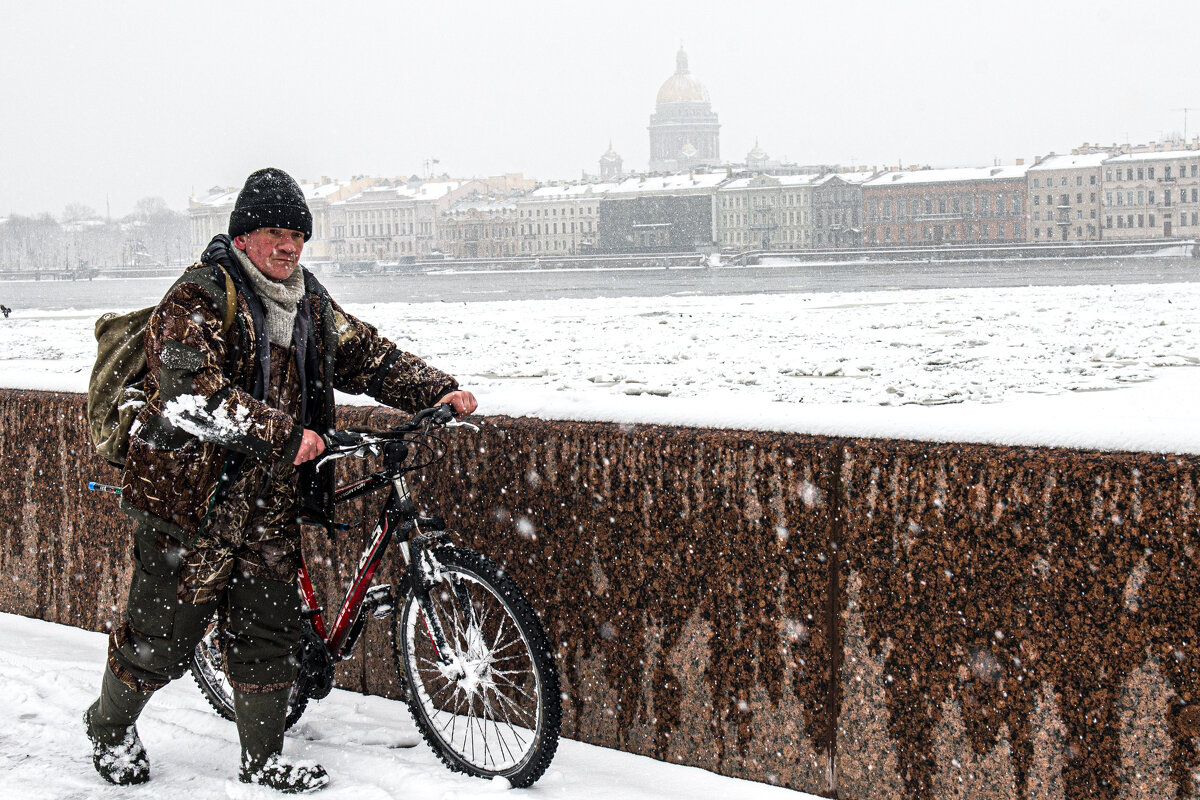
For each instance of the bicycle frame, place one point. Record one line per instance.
(398, 516)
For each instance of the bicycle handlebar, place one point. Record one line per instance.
(364, 443)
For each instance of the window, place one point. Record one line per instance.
(1037, 199)
(1108, 177)
(1141, 174)
(1093, 198)
(1036, 185)
(1151, 220)
(1141, 220)
(1037, 233)
(1108, 222)
(1079, 197)
(1120, 221)
(1150, 173)
(1141, 197)
(1037, 216)
(1079, 180)
(1063, 181)
(1092, 180)
(1166, 172)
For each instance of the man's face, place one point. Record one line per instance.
(275, 251)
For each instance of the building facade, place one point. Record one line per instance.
(665, 213)
(1149, 195)
(480, 228)
(560, 220)
(766, 212)
(684, 132)
(837, 209)
(1063, 198)
(934, 206)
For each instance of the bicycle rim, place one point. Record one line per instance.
(491, 707)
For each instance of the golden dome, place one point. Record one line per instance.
(682, 87)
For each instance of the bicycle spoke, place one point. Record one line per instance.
(483, 696)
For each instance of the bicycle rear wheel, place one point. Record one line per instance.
(208, 670)
(491, 706)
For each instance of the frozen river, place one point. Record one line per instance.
(458, 285)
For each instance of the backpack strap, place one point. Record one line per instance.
(230, 301)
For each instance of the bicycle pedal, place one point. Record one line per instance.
(380, 602)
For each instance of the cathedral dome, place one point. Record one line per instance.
(682, 87)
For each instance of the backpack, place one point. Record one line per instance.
(116, 389)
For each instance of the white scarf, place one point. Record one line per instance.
(279, 299)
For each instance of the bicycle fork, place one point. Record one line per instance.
(425, 573)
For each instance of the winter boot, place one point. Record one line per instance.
(117, 751)
(260, 723)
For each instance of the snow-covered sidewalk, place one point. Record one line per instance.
(50, 673)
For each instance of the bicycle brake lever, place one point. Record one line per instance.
(457, 423)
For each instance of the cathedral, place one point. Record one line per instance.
(683, 128)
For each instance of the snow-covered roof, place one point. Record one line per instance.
(1165, 155)
(1071, 161)
(848, 177)
(782, 181)
(430, 190)
(569, 191)
(217, 196)
(953, 175)
(673, 184)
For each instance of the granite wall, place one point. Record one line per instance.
(854, 618)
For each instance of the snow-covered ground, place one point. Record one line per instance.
(1109, 367)
(50, 673)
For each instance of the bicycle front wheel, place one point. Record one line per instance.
(489, 703)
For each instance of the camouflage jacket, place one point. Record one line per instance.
(205, 413)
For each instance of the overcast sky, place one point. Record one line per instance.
(105, 103)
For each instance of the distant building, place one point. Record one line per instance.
(837, 200)
(936, 206)
(610, 165)
(392, 220)
(1063, 198)
(560, 220)
(664, 213)
(1151, 194)
(209, 213)
(684, 132)
(766, 212)
(480, 228)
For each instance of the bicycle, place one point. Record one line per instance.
(477, 670)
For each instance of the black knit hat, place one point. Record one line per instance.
(270, 199)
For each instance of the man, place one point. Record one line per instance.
(219, 467)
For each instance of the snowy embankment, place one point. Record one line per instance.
(1106, 367)
(50, 673)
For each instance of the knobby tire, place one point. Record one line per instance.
(499, 715)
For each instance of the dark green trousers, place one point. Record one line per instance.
(153, 644)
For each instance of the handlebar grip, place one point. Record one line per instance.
(441, 414)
